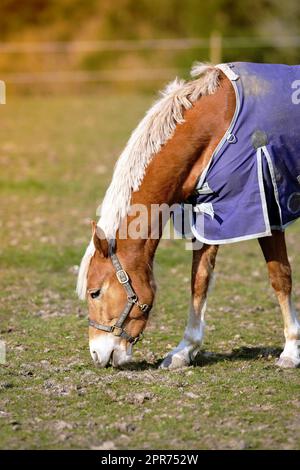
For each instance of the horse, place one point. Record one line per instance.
(175, 144)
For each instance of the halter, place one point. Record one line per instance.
(132, 299)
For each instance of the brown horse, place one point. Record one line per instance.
(177, 137)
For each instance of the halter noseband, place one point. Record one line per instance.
(132, 299)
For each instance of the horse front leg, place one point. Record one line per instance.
(202, 273)
(275, 253)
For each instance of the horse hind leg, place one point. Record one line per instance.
(275, 253)
(189, 346)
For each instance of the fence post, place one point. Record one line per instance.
(2, 92)
(215, 48)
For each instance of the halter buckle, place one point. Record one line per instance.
(122, 276)
(116, 330)
(145, 308)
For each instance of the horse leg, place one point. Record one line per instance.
(202, 270)
(275, 253)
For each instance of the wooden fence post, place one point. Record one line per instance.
(215, 48)
(2, 92)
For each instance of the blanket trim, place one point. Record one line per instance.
(259, 155)
(225, 68)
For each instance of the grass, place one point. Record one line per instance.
(57, 155)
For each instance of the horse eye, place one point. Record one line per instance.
(95, 294)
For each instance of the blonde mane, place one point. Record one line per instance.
(154, 130)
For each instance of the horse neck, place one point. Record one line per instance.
(172, 174)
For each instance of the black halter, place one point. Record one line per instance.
(132, 299)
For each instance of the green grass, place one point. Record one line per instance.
(56, 157)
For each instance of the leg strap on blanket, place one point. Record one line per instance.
(205, 208)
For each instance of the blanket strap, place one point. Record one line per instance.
(205, 208)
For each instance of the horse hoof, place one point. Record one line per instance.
(286, 363)
(174, 362)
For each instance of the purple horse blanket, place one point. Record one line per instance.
(252, 182)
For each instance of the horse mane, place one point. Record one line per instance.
(154, 130)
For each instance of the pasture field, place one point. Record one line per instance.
(56, 156)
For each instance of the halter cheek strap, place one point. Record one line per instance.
(132, 299)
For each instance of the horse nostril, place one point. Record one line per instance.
(95, 356)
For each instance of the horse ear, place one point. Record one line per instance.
(100, 242)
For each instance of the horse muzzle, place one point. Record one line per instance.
(106, 349)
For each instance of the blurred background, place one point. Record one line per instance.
(58, 45)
